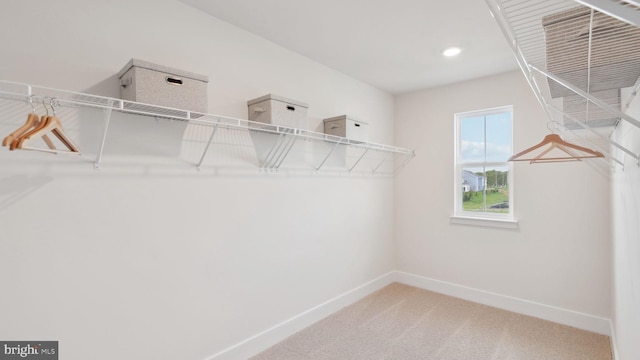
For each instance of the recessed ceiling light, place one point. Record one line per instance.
(452, 51)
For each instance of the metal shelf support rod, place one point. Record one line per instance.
(283, 155)
(275, 150)
(107, 120)
(627, 151)
(357, 161)
(404, 163)
(381, 162)
(206, 148)
(328, 155)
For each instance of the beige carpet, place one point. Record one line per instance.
(401, 322)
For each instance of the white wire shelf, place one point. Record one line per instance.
(270, 157)
(581, 60)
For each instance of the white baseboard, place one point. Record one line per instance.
(614, 343)
(572, 318)
(281, 331)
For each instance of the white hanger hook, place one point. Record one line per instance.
(33, 108)
(53, 105)
(44, 104)
(552, 126)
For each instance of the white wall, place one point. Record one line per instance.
(626, 246)
(146, 257)
(559, 256)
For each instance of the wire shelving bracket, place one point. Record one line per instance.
(272, 161)
(574, 55)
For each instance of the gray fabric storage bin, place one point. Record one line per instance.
(347, 127)
(278, 110)
(614, 52)
(149, 83)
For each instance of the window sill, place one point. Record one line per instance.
(485, 222)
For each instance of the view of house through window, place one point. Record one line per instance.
(483, 174)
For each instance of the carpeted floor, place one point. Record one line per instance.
(401, 322)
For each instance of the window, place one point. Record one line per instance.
(483, 175)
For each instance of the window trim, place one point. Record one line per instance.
(510, 224)
(460, 216)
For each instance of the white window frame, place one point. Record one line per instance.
(504, 220)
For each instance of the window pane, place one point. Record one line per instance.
(472, 139)
(483, 146)
(473, 186)
(497, 194)
(498, 137)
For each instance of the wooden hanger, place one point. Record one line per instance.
(32, 122)
(574, 152)
(48, 124)
(39, 125)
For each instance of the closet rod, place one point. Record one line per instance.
(614, 9)
(76, 99)
(498, 13)
(600, 104)
(589, 97)
(584, 127)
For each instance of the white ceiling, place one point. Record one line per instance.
(393, 45)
